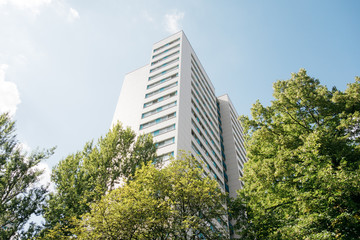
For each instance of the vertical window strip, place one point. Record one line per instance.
(207, 82)
(203, 127)
(208, 119)
(206, 152)
(203, 96)
(202, 104)
(203, 87)
(207, 143)
(211, 98)
(207, 163)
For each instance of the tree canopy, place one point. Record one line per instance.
(175, 202)
(302, 175)
(21, 194)
(84, 177)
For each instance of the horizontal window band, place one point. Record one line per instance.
(163, 130)
(161, 89)
(161, 53)
(158, 120)
(163, 72)
(162, 81)
(164, 58)
(165, 45)
(160, 99)
(165, 142)
(164, 65)
(159, 109)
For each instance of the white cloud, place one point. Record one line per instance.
(33, 5)
(9, 94)
(45, 178)
(25, 147)
(172, 22)
(73, 14)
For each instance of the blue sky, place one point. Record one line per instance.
(62, 62)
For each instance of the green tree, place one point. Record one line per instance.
(302, 175)
(175, 202)
(84, 177)
(21, 195)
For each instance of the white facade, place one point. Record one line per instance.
(173, 99)
(233, 142)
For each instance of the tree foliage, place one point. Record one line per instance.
(176, 202)
(84, 177)
(302, 177)
(21, 195)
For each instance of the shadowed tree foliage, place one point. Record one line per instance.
(84, 177)
(302, 177)
(21, 195)
(176, 202)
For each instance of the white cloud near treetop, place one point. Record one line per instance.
(9, 94)
(45, 178)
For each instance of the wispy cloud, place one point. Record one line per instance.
(173, 21)
(33, 5)
(73, 15)
(9, 94)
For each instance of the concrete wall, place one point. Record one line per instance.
(130, 103)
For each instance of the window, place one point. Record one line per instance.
(203, 147)
(158, 120)
(159, 109)
(165, 142)
(163, 130)
(161, 53)
(203, 85)
(201, 115)
(163, 72)
(162, 81)
(202, 97)
(207, 164)
(164, 65)
(160, 99)
(165, 157)
(205, 80)
(164, 58)
(165, 45)
(161, 90)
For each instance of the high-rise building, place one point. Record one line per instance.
(173, 99)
